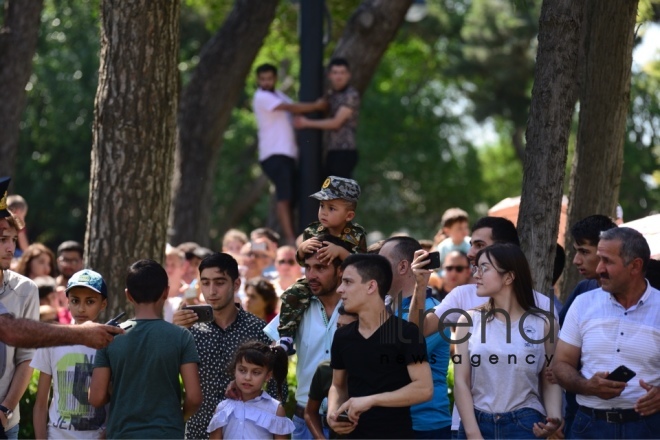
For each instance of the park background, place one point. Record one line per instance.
(443, 118)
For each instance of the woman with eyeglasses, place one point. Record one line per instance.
(500, 387)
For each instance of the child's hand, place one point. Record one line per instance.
(329, 252)
(310, 246)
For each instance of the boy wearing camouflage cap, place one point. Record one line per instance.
(338, 200)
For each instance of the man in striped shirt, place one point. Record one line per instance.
(616, 325)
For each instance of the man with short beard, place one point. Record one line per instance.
(317, 328)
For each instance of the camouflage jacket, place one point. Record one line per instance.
(353, 234)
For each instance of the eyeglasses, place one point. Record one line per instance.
(483, 269)
(290, 262)
(458, 269)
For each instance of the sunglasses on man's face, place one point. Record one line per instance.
(290, 262)
(458, 269)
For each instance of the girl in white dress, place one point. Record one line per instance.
(256, 415)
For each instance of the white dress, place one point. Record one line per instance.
(254, 419)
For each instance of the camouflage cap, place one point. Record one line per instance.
(338, 188)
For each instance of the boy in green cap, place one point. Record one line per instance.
(338, 201)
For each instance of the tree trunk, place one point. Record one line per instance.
(134, 137)
(609, 29)
(206, 106)
(548, 131)
(18, 41)
(368, 33)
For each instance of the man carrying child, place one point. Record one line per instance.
(338, 201)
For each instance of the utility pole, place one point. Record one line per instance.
(311, 88)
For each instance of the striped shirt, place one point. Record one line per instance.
(610, 335)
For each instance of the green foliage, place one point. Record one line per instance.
(26, 405)
(55, 141)
(640, 195)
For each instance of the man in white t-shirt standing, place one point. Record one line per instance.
(278, 151)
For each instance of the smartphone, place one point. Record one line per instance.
(434, 261)
(343, 417)
(204, 312)
(621, 374)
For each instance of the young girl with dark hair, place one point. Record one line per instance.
(256, 415)
(500, 384)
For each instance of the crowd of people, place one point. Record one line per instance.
(374, 327)
(374, 330)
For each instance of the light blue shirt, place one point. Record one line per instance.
(433, 414)
(313, 342)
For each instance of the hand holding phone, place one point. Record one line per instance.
(115, 321)
(621, 374)
(434, 261)
(343, 417)
(204, 312)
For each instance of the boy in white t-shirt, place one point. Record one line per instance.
(69, 369)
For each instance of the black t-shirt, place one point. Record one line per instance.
(321, 382)
(376, 365)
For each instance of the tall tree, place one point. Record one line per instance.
(548, 130)
(206, 106)
(368, 32)
(134, 138)
(605, 71)
(18, 41)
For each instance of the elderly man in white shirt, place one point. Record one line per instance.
(616, 325)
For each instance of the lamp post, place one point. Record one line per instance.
(311, 88)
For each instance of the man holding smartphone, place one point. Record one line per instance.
(615, 325)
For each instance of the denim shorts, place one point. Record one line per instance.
(516, 424)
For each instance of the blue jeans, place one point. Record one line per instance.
(12, 434)
(440, 433)
(516, 424)
(587, 426)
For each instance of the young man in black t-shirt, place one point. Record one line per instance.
(379, 362)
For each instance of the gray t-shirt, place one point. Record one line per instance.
(145, 364)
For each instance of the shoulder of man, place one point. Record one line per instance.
(250, 319)
(22, 285)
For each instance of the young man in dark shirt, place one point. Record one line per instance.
(342, 102)
(379, 362)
